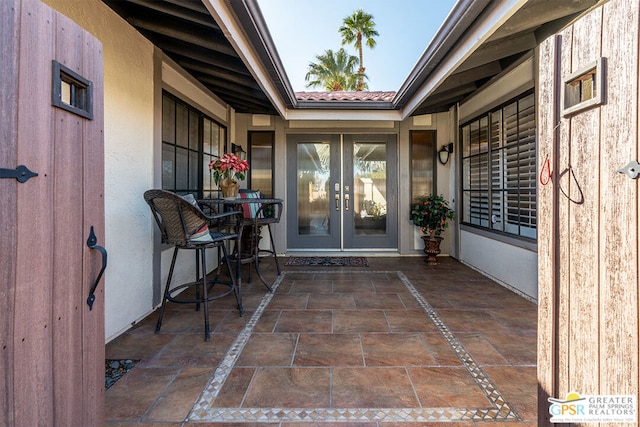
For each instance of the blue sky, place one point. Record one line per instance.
(302, 29)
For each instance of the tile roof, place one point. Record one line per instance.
(345, 96)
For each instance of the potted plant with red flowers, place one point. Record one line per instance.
(227, 171)
(431, 213)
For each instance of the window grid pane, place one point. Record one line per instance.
(499, 169)
(190, 142)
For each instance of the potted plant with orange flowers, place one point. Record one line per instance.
(227, 171)
(431, 213)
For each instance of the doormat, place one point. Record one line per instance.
(114, 369)
(329, 261)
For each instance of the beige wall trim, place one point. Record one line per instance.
(347, 124)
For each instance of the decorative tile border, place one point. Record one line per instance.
(500, 410)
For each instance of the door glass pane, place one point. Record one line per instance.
(313, 188)
(369, 195)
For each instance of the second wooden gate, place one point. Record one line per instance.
(588, 210)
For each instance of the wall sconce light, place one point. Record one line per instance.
(443, 154)
(238, 151)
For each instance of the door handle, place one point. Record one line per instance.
(337, 198)
(346, 202)
(91, 243)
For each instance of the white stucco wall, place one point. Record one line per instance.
(128, 145)
(512, 266)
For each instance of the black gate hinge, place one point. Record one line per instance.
(21, 173)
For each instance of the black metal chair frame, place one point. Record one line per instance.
(268, 212)
(178, 220)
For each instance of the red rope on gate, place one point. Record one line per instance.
(545, 171)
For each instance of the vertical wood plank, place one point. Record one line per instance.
(9, 28)
(562, 234)
(619, 215)
(581, 185)
(32, 322)
(546, 102)
(67, 214)
(93, 204)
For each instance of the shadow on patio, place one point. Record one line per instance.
(395, 342)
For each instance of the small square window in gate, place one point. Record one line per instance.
(583, 89)
(70, 91)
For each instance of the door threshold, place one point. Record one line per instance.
(327, 252)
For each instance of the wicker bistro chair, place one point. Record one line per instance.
(185, 226)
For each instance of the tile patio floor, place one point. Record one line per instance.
(388, 344)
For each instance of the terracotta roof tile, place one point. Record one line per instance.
(345, 96)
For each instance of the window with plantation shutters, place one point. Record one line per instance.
(499, 169)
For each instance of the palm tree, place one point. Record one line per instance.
(333, 71)
(356, 27)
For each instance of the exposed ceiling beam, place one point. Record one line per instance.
(500, 49)
(227, 85)
(204, 57)
(185, 10)
(472, 75)
(194, 37)
(216, 72)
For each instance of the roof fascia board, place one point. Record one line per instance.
(220, 11)
(340, 115)
(496, 15)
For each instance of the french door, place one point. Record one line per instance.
(342, 192)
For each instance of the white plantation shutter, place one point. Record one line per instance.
(499, 169)
(527, 166)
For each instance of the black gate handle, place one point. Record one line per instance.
(91, 243)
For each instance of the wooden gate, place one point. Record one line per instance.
(588, 211)
(51, 344)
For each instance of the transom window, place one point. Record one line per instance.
(190, 140)
(499, 169)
